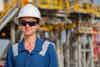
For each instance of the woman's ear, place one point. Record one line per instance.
(38, 27)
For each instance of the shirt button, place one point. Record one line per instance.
(28, 54)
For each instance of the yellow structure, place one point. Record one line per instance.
(7, 7)
(44, 3)
(50, 4)
(97, 11)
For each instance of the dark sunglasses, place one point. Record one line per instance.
(30, 23)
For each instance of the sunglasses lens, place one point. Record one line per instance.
(22, 24)
(30, 23)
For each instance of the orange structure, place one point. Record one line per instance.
(96, 49)
(25, 2)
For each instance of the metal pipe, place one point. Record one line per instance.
(8, 17)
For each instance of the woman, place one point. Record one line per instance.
(30, 49)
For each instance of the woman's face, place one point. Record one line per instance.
(28, 25)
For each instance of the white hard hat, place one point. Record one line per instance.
(29, 11)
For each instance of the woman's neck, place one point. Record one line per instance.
(30, 39)
(29, 42)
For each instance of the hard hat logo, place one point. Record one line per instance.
(29, 11)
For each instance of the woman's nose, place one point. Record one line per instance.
(27, 25)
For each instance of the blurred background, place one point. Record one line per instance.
(73, 25)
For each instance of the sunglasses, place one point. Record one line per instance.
(30, 23)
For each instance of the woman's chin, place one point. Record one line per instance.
(28, 34)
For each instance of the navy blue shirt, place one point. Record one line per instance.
(33, 59)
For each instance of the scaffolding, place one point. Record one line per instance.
(77, 48)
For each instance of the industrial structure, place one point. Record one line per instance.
(72, 24)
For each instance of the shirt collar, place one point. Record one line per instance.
(38, 46)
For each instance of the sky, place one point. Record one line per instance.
(97, 2)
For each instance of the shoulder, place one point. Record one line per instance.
(46, 43)
(47, 46)
(51, 44)
(51, 48)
